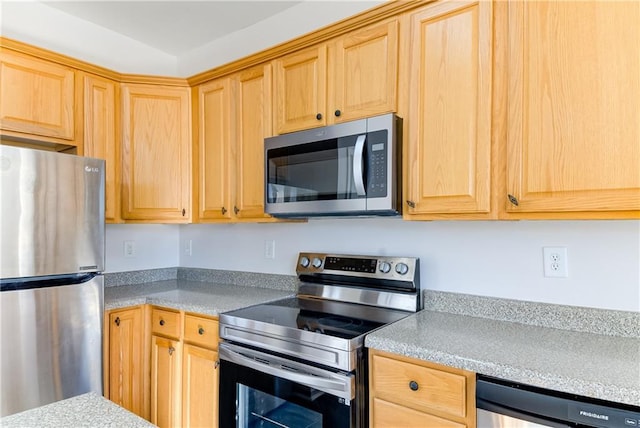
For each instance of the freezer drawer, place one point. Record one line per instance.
(51, 341)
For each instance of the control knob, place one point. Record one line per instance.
(316, 262)
(385, 267)
(402, 268)
(304, 261)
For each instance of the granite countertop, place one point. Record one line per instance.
(209, 298)
(593, 364)
(87, 410)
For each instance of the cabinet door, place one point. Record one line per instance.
(253, 124)
(156, 153)
(573, 136)
(36, 97)
(447, 168)
(300, 90)
(364, 73)
(165, 381)
(200, 387)
(215, 163)
(100, 137)
(125, 359)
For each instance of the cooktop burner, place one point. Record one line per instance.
(338, 319)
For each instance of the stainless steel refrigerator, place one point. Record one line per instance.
(51, 283)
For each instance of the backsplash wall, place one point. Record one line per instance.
(500, 258)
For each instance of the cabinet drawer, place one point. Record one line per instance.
(420, 387)
(165, 323)
(201, 331)
(385, 414)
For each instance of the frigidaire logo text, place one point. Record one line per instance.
(91, 168)
(594, 415)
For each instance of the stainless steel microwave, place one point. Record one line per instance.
(352, 168)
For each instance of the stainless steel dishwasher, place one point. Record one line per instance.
(506, 404)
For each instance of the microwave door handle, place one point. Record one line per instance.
(358, 174)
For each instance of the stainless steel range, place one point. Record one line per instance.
(301, 361)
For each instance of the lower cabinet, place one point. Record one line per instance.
(162, 364)
(124, 359)
(414, 393)
(184, 369)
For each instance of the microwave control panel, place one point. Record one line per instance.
(378, 164)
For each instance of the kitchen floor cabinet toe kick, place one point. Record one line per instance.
(162, 364)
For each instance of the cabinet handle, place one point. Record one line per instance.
(117, 321)
(513, 200)
(161, 322)
(224, 210)
(236, 210)
(200, 331)
(184, 212)
(413, 385)
(411, 204)
(337, 113)
(171, 349)
(217, 364)
(319, 116)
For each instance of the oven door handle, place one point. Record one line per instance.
(358, 172)
(340, 386)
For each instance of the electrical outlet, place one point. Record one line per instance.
(555, 262)
(129, 248)
(188, 248)
(270, 249)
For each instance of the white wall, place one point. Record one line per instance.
(501, 259)
(36, 23)
(156, 246)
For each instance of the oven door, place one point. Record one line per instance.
(263, 390)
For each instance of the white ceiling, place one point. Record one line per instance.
(173, 27)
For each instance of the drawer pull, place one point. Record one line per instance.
(413, 385)
(200, 331)
(117, 321)
(161, 322)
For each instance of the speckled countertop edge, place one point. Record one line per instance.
(87, 410)
(575, 318)
(593, 365)
(208, 298)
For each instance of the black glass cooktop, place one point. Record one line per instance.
(337, 319)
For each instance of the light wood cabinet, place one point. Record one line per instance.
(353, 76)
(166, 356)
(124, 355)
(200, 372)
(37, 99)
(184, 369)
(156, 153)
(448, 165)
(101, 139)
(571, 73)
(409, 392)
(234, 119)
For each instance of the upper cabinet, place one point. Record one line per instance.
(353, 76)
(448, 147)
(234, 117)
(37, 99)
(572, 76)
(156, 153)
(101, 139)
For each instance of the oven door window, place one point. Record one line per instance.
(259, 409)
(319, 171)
(250, 398)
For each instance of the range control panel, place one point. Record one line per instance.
(375, 267)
